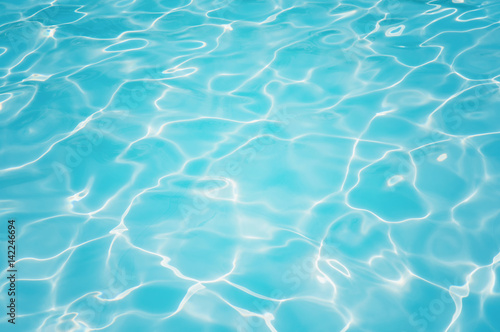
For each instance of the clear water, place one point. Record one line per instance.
(251, 165)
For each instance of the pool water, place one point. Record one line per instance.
(238, 165)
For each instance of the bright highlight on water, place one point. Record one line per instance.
(241, 165)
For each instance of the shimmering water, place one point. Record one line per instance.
(251, 165)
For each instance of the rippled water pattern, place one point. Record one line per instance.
(252, 165)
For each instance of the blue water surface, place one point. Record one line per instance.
(244, 165)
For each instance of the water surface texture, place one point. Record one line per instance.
(251, 165)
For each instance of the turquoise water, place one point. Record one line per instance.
(251, 165)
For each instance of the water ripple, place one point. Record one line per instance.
(252, 166)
